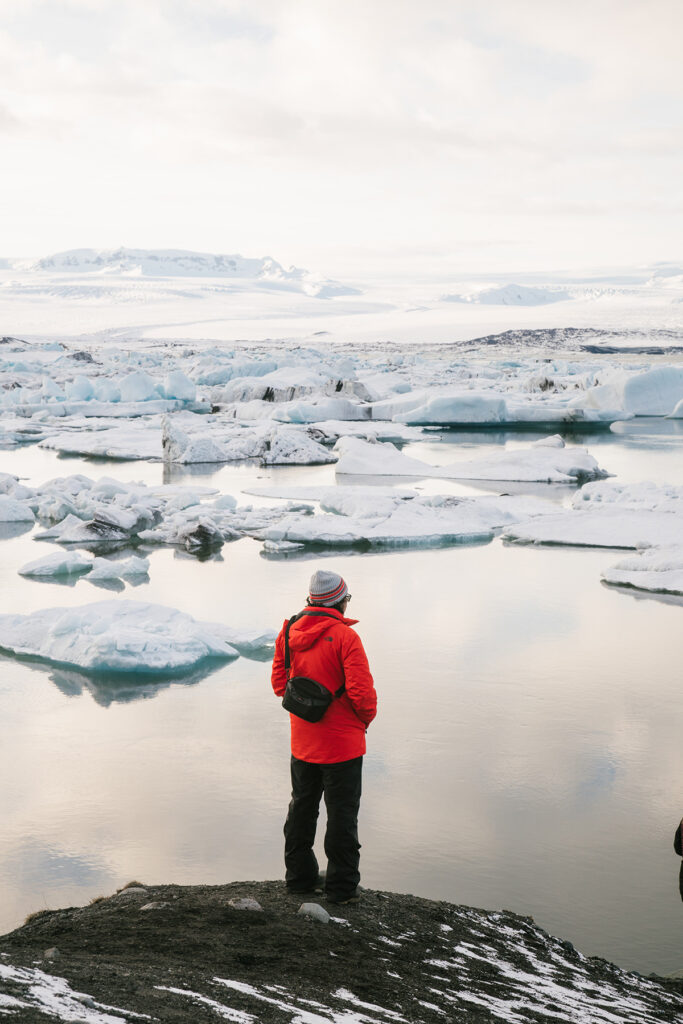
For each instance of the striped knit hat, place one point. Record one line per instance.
(326, 588)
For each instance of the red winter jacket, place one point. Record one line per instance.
(330, 652)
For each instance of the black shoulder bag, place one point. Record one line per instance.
(306, 698)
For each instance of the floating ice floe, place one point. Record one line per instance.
(61, 563)
(73, 563)
(104, 569)
(188, 440)
(424, 522)
(658, 570)
(348, 501)
(655, 392)
(541, 463)
(136, 440)
(643, 496)
(485, 409)
(606, 527)
(12, 511)
(124, 636)
(208, 526)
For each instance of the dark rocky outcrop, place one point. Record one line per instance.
(187, 954)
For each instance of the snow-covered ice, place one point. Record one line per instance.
(401, 522)
(12, 511)
(606, 527)
(645, 495)
(654, 392)
(123, 636)
(541, 463)
(68, 563)
(657, 569)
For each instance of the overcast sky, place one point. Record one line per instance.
(346, 135)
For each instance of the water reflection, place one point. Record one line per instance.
(10, 530)
(122, 688)
(33, 862)
(645, 426)
(644, 595)
(108, 688)
(179, 473)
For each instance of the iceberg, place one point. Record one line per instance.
(130, 442)
(13, 511)
(658, 570)
(655, 392)
(540, 463)
(103, 569)
(123, 636)
(185, 440)
(284, 447)
(424, 522)
(644, 496)
(69, 563)
(602, 527)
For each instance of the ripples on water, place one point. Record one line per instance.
(526, 755)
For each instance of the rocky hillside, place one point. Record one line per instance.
(245, 953)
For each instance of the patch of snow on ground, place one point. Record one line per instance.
(54, 997)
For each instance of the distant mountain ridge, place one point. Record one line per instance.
(185, 263)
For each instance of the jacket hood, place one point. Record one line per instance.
(305, 631)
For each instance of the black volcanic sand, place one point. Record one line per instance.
(378, 952)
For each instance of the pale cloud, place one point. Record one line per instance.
(388, 123)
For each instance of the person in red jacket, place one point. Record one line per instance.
(327, 756)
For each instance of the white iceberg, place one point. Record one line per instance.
(135, 440)
(284, 447)
(12, 511)
(137, 386)
(655, 392)
(468, 407)
(424, 522)
(188, 439)
(542, 464)
(177, 446)
(313, 410)
(659, 570)
(122, 636)
(62, 563)
(603, 527)
(103, 569)
(645, 496)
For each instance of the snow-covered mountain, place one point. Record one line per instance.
(512, 295)
(164, 263)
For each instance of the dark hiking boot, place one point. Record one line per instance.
(341, 900)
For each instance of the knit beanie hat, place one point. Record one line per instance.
(326, 588)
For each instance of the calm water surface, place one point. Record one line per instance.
(527, 753)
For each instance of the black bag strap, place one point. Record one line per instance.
(290, 622)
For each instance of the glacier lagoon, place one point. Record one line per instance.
(526, 754)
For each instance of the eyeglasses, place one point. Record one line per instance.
(348, 598)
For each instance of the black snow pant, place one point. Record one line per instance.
(341, 786)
